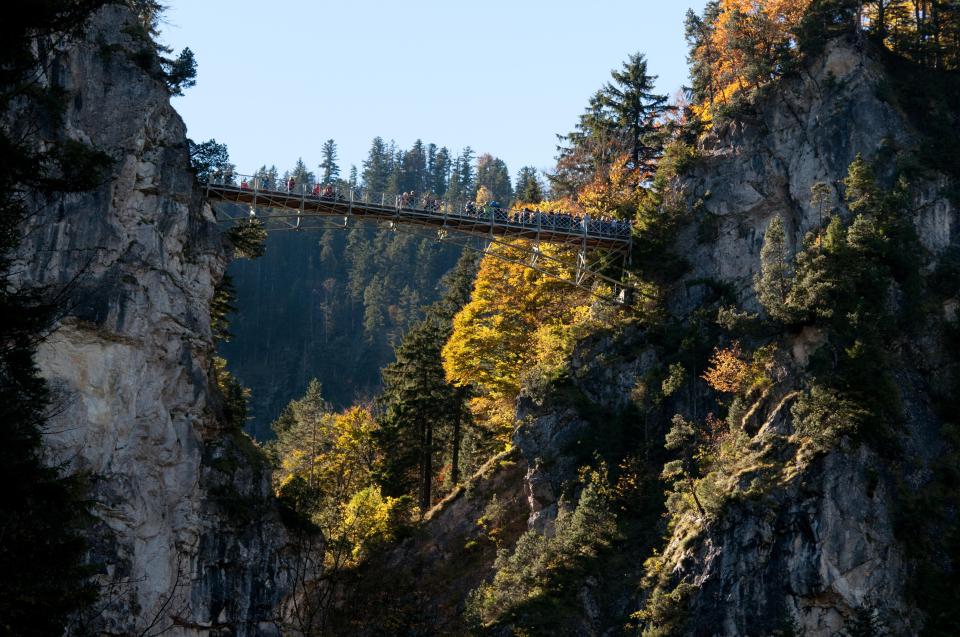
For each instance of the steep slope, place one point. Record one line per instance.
(186, 538)
(821, 544)
(816, 544)
(795, 531)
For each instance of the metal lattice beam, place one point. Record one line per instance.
(568, 261)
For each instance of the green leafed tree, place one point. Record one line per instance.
(529, 189)
(376, 167)
(772, 283)
(493, 175)
(329, 169)
(181, 71)
(420, 409)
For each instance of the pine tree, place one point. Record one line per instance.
(454, 190)
(431, 164)
(587, 150)
(468, 186)
(329, 170)
(377, 167)
(441, 172)
(419, 406)
(529, 189)
(300, 173)
(492, 174)
(637, 111)
(773, 282)
(413, 170)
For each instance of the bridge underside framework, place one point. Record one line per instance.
(575, 251)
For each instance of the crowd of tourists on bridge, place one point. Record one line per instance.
(490, 211)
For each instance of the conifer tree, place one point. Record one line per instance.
(377, 167)
(329, 170)
(455, 191)
(492, 174)
(773, 282)
(413, 169)
(467, 184)
(419, 406)
(637, 110)
(300, 173)
(529, 189)
(441, 172)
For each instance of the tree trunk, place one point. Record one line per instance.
(455, 452)
(696, 500)
(426, 466)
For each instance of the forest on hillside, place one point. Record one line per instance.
(332, 305)
(448, 405)
(763, 438)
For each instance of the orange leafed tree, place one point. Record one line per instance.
(728, 372)
(740, 48)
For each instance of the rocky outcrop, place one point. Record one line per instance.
(806, 130)
(129, 362)
(420, 586)
(821, 545)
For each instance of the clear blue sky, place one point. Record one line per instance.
(277, 78)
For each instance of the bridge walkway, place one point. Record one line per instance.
(488, 221)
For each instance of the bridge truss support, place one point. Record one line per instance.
(583, 266)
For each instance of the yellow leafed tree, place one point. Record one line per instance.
(495, 335)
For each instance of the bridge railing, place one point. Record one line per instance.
(429, 205)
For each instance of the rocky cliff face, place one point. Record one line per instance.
(186, 539)
(821, 545)
(824, 546)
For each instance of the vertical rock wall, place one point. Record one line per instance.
(187, 538)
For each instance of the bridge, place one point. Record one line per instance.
(585, 249)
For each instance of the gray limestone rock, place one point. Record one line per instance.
(129, 362)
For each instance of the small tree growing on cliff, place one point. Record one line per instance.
(773, 282)
(685, 439)
(181, 72)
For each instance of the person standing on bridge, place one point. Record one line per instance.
(244, 185)
(291, 182)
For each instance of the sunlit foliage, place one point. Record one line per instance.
(494, 336)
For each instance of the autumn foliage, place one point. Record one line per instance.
(732, 372)
(740, 45)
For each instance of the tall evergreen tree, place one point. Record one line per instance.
(377, 167)
(585, 151)
(529, 189)
(329, 170)
(413, 169)
(419, 407)
(441, 172)
(637, 110)
(772, 283)
(623, 117)
(455, 191)
(492, 174)
(431, 164)
(467, 184)
(301, 174)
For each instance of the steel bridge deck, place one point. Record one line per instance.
(488, 223)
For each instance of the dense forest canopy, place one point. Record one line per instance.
(450, 397)
(738, 45)
(352, 293)
(400, 374)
